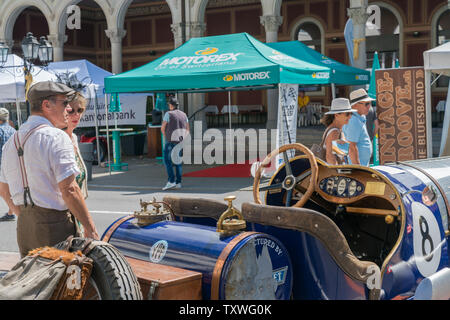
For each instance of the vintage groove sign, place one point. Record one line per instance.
(401, 114)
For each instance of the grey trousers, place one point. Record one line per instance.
(38, 227)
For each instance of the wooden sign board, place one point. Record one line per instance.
(401, 114)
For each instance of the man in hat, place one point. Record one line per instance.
(175, 127)
(355, 131)
(38, 173)
(6, 131)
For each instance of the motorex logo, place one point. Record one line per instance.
(202, 58)
(321, 75)
(206, 51)
(248, 76)
(362, 77)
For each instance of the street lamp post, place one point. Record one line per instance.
(32, 50)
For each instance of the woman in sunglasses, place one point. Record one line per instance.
(78, 105)
(338, 116)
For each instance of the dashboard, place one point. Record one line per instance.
(341, 186)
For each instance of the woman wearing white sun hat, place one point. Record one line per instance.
(339, 115)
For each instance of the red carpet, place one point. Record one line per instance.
(225, 171)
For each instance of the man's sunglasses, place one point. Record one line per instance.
(79, 111)
(65, 103)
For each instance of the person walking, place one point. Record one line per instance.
(39, 171)
(338, 116)
(360, 148)
(6, 131)
(175, 127)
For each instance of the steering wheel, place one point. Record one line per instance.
(290, 180)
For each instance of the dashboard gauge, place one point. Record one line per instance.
(341, 186)
(352, 188)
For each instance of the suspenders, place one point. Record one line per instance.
(20, 147)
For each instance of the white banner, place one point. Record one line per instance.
(133, 111)
(287, 118)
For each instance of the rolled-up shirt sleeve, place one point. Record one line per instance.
(62, 157)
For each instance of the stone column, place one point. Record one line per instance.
(177, 34)
(271, 24)
(358, 13)
(57, 41)
(116, 36)
(196, 101)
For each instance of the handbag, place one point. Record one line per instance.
(48, 274)
(318, 150)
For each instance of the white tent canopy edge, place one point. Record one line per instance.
(437, 60)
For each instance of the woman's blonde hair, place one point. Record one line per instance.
(80, 99)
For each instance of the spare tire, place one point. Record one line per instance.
(112, 277)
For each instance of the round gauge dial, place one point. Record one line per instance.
(341, 186)
(352, 188)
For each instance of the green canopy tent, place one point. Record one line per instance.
(218, 63)
(341, 74)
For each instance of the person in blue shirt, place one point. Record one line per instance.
(355, 131)
(6, 131)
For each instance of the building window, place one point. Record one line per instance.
(384, 40)
(309, 33)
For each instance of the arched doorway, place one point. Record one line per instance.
(386, 40)
(30, 19)
(442, 30)
(309, 33)
(90, 41)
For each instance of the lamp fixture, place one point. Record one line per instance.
(30, 47)
(4, 50)
(45, 51)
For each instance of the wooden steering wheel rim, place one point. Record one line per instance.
(268, 159)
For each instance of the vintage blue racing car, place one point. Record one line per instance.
(324, 232)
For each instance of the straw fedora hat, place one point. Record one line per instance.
(359, 95)
(340, 105)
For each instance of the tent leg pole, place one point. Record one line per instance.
(428, 113)
(229, 121)
(96, 128)
(333, 91)
(107, 132)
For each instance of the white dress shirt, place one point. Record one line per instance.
(49, 159)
